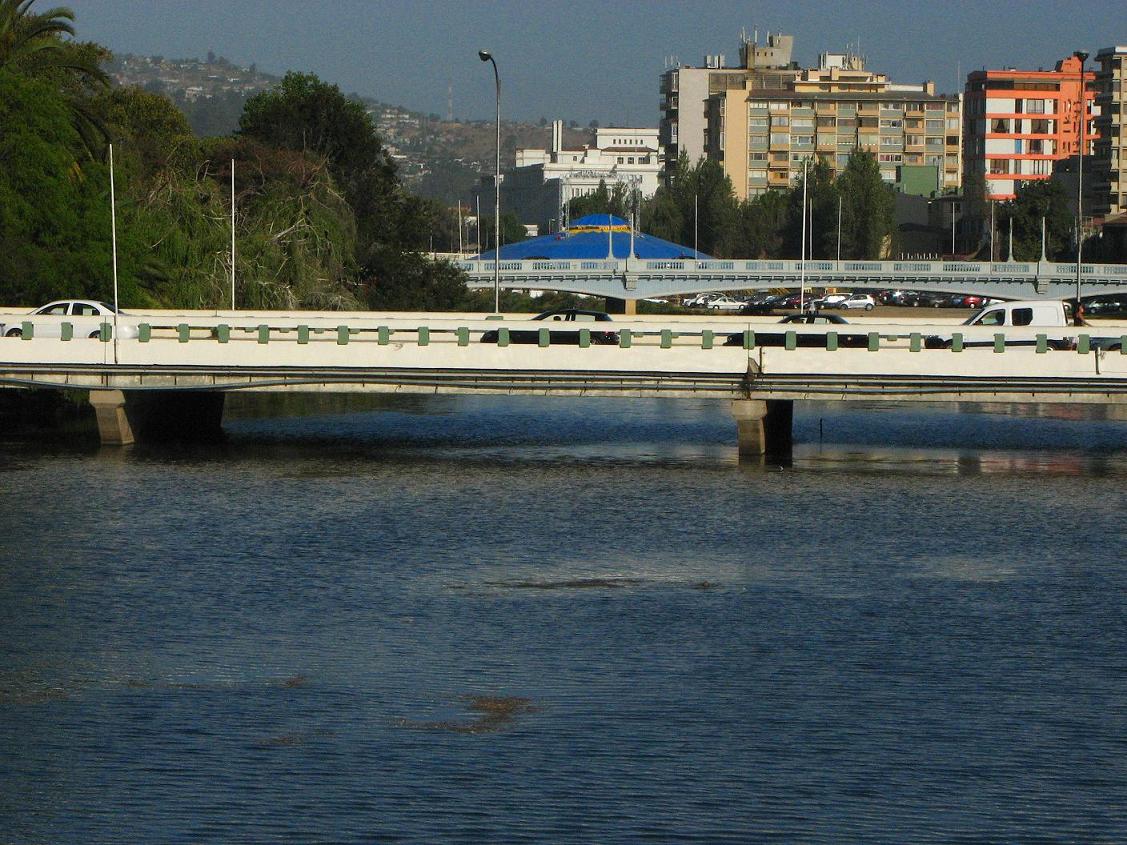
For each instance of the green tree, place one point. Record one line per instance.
(695, 207)
(1037, 200)
(615, 201)
(759, 227)
(867, 208)
(303, 113)
(55, 233)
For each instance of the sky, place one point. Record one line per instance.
(584, 60)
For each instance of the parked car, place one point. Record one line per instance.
(762, 304)
(700, 300)
(858, 300)
(725, 303)
(830, 300)
(576, 317)
(85, 317)
(1106, 305)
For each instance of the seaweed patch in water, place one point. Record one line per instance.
(290, 740)
(572, 584)
(495, 713)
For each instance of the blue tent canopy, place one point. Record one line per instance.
(593, 237)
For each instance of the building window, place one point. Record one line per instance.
(890, 123)
(779, 139)
(780, 120)
(933, 125)
(757, 123)
(1000, 125)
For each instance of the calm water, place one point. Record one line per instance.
(473, 620)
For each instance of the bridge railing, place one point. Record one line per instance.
(895, 268)
(625, 334)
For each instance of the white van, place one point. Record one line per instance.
(1032, 313)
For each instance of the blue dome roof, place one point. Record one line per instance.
(592, 237)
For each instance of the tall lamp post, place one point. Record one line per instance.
(486, 56)
(1083, 116)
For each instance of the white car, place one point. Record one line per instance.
(830, 300)
(84, 315)
(725, 303)
(858, 300)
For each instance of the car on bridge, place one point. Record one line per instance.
(85, 317)
(817, 340)
(576, 318)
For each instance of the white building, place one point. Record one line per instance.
(543, 182)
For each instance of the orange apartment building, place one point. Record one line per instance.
(1017, 123)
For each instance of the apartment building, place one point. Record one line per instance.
(1110, 147)
(763, 130)
(1018, 123)
(685, 91)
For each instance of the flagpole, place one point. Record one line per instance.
(232, 234)
(113, 230)
(802, 250)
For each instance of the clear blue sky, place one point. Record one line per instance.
(584, 60)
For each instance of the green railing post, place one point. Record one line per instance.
(1042, 344)
(105, 332)
(790, 340)
(584, 338)
(999, 342)
(1084, 344)
(67, 331)
(706, 339)
(463, 334)
(749, 339)
(666, 338)
(303, 334)
(144, 332)
(223, 333)
(502, 336)
(831, 341)
(263, 334)
(915, 342)
(625, 339)
(27, 330)
(957, 342)
(1123, 345)
(182, 332)
(383, 335)
(342, 335)
(543, 338)
(424, 336)
(874, 341)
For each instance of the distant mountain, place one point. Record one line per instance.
(437, 158)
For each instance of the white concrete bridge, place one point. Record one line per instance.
(635, 278)
(187, 362)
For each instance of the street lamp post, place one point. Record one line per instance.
(1083, 116)
(486, 56)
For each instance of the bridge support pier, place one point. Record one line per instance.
(764, 427)
(124, 417)
(114, 427)
(628, 307)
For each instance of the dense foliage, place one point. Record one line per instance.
(321, 219)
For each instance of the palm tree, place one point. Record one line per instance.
(32, 45)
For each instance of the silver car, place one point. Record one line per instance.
(86, 318)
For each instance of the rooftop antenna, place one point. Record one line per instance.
(450, 102)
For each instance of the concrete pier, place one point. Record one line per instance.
(764, 427)
(124, 417)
